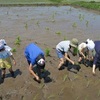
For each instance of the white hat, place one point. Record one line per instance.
(90, 44)
(3, 41)
(41, 62)
(1, 46)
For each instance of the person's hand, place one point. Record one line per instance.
(93, 72)
(73, 62)
(14, 62)
(84, 57)
(37, 78)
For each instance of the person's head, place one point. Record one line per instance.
(1, 46)
(41, 63)
(3, 41)
(90, 45)
(74, 45)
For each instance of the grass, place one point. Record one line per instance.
(90, 5)
(95, 4)
(31, 1)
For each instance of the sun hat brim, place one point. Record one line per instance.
(73, 45)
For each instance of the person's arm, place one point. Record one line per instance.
(13, 59)
(94, 64)
(93, 69)
(67, 58)
(32, 72)
(81, 52)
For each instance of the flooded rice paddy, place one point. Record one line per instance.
(47, 26)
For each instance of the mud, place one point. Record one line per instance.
(47, 26)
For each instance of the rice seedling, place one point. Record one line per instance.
(65, 38)
(65, 78)
(61, 91)
(72, 86)
(74, 25)
(70, 9)
(77, 98)
(88, 83)
(86, 98)
(99, 93)
(26, 26)
(81, 17)
(75, 77)
(42, 85)
(47, 28)
(47, 52)
(87, 22)
(35, 97)
(58, 33)
(37, 23)
(53, 20)
(51, 96)
(14, 50)
(17, 41)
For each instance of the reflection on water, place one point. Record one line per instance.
(64, 18)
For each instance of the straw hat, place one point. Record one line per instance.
(74, 43)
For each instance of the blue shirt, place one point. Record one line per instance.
(4, 54)
(31, 53)
(97, 50)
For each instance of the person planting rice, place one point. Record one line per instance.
(85, 49)
(62, 50)
(5, 61)
(96, 60)
(36, 60)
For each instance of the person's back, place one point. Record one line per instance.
(63, 46)
(32, 51)
(97, 46)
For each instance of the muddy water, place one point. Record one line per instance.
(47, 26)
(65, 19)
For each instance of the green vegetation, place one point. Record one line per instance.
(47, 28)
(51, 96)
(31, 1)
(17, 41)
(65, 78)
(14, 50)
(74, 25)
(65, 38)
(90, 4)
(26, 26)
(58, 33)
(47, 52)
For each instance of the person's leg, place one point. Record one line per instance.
(3, 73)
(12, 72)
(80, 58)
(61, 62)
